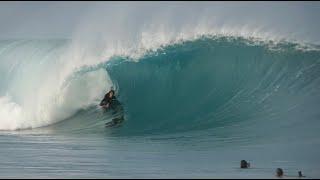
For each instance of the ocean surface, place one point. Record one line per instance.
(193, 109)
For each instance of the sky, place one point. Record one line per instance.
(63, 19)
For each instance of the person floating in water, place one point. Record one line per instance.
(110, 102)
(244, 164)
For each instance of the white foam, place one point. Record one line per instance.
(40, 89)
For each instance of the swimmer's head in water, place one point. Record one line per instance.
(279, 172)
(244, 164)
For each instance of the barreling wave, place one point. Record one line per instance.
(221, 83)
(208, 83)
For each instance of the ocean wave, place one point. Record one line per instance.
(234, 79)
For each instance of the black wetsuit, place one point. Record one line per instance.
(116, 108)
(107, 100)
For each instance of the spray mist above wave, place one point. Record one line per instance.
(131, 29)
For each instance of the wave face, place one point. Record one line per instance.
(210, 84)
(223, 83)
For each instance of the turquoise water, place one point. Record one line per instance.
(193, 156)
(192, 110)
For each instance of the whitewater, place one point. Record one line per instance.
(194, 88)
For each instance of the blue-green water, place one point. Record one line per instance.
(192, 110)
(193, 156)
